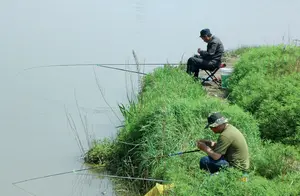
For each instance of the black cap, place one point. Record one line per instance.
(205, 32)
(215, 119)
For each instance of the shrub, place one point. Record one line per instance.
(274, 160)
(266, 82)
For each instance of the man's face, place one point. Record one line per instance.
(214, 129)
(205, 38)
(217, 129)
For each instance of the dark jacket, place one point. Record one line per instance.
(215, 50)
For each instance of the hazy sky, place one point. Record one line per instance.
(38, 32)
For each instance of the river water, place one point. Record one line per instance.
(36, 138)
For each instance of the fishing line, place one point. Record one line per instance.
(29, 193)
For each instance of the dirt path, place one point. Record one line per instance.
(212, 88)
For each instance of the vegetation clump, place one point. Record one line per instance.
(266, 83)
(169, 117)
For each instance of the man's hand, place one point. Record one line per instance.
(213, 144)
(199, 50)
(202, 146)
(208, 143)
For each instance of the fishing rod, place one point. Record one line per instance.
(103, 66)
(177, 153)
(185, 152)
(85, 169)
(124, 177)
(79, 170)
(57, 174)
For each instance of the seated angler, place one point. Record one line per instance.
(209, 59)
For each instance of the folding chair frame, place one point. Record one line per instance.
(211, 74)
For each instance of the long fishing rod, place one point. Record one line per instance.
(177, 153)
(79, 170)
(102, 65)
(185, 152)
(57, 174)
(124, 177)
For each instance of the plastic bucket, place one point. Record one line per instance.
(225, 74)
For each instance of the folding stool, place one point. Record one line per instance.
(211, 74)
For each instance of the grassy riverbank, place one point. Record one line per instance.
(169, 116)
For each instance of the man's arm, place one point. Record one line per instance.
(202, 146)
(211, 51)
(212, 154)
(220, 147)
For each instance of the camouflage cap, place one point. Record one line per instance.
(215, 119)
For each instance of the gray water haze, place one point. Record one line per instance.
(36, 139)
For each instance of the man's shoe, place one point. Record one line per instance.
(213, 174)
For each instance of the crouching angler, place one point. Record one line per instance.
(230, 150)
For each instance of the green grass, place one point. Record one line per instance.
(238, 52)
(170, 116)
